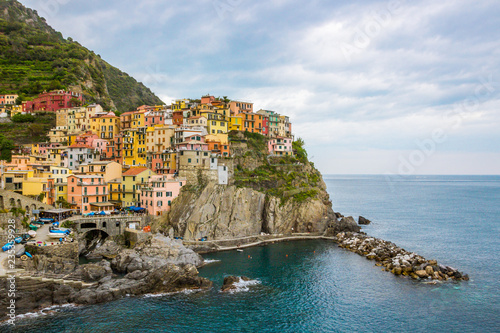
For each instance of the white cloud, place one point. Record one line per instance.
(407, 71)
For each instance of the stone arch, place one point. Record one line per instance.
(19, 203)
(92, 239)
(12, 202)
(27, 209)
(88, 225)
(2, 205)
(41, 208)
(33, 207)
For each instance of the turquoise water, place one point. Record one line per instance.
(313, 286)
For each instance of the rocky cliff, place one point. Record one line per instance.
(272, 195)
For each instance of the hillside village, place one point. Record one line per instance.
(100, 161)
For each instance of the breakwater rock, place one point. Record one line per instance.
(397, 260)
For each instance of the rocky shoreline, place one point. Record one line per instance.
(54, 277)
(164, 265)
(395, 259)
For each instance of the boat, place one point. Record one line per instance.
(239, 250)
(18, 240)
(58, 233)
(8, 246)
(32, 233)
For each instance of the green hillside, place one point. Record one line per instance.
(34, 57)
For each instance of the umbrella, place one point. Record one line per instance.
(102, 213)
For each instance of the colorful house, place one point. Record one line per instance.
(159, 192)
(53, 101)
(88, 194)
(131, 179)
(280, 146)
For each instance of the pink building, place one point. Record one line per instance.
(88, 194)
(100, 145)
(280, 146)
(160, 191)
(86, 139)
(154, 118)
(194, 142)
(44, 148)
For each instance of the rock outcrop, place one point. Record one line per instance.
(342, 224)
(158, 265)
(230, 281)
(363, 221)
(222, 212)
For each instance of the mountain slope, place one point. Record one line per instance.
(34, 57)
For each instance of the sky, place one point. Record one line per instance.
(372, 87)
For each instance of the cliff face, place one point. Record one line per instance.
(276, 196)
(221, 212)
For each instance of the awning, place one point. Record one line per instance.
(101, 204)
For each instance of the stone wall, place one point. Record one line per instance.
(9, 199)
(133, 237)
(68, 250)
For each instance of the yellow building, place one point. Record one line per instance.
(131, 179)
(216, 123)
(115, 192)
(236, 123)
(58, 135)
(16, 109)
(138, 119)
(106, 127)
(109, 170)
(34, 187)
(134, 147)
(159, 138)
(13, 179)
(180, 104)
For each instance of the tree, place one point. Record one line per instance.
(6, 147)
(75, 102)
(23, 118)
(63, 203)
(41, 196)
(298, 148)
(36, 130)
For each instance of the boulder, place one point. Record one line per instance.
(422, 274)
(363, 221)
(229, 282)
(429, 270)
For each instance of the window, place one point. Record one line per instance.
(169, 194)
(72, 189)
(189, 160)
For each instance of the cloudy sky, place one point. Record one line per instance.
(373, 87)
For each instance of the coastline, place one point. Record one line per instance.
(388, 255)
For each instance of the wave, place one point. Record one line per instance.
(185, 292)
(243, 285)
(45, 311)
(210, 261)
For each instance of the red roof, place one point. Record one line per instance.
(134, 171)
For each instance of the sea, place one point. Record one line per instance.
(314, 286)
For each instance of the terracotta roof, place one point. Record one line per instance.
(134, 171)
(76, 145)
